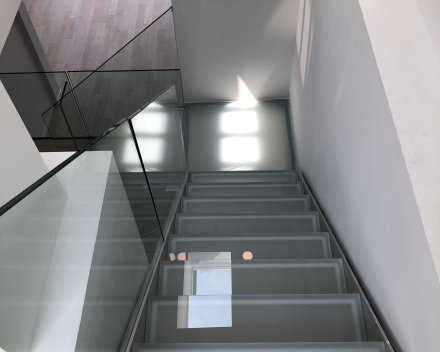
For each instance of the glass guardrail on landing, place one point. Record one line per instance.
(65, 111)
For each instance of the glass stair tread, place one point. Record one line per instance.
(247, 223)
(243, 176)
(255, 318)
(263, 347)
(248, 277)
(246, 204)
(262, 246)
(244, 189)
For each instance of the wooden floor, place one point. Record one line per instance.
(82, 34)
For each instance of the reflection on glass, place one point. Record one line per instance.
(208, 311)
(204, 312)
(207, 290)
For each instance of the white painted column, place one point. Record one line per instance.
(410, 72)
(20, 162)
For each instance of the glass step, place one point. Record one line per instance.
(255, 318)
(247, 223)
(253, 277)
(244, 190)
(243, 176)
(246, 204)
(262, 347)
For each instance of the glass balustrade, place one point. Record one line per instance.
(77, 253)
(65, 111)
(107, 96)
(35, 96)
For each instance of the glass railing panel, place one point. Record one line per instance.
(152, 49)
(59, 129)
(121, 142)
(36, 96)
(65, 123)
(32, 94)
(107, 97)
(28, 238)
(76, 252)
(125, 247)
(159, 136)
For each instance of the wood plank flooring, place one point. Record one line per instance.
(82, 34)
(108, 97)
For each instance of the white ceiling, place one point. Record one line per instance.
(222, 42)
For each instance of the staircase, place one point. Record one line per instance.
(249, 269)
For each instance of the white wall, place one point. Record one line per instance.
(224, 40)
(413, 90)
(224, 137)
(20, 162)
(430, 11)
(8, 10)
(352, 151)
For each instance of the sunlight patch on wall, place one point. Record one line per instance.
(240, 149)
(236, 122)
(245, 96)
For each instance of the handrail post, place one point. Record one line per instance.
(145, 174)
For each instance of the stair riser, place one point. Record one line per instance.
(246, 177)
(270, 246)
(257, 205)
(263, 277)
(264, 347)
(244, 190)
(212, 224)
(278, 318)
